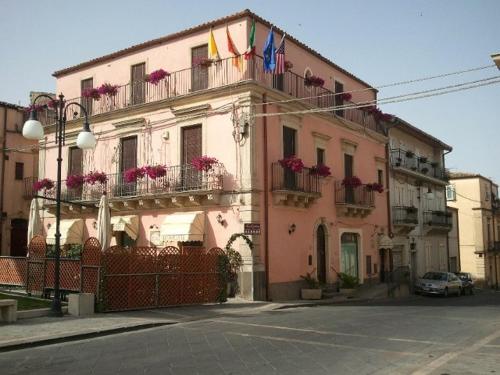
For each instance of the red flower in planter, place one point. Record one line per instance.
(133, 174)
(108, 89)
(96, 177)
(352, 182)
(156, 76)
(320, 170)
(44, 184)
(75, 181)
(91, 93)
(314, 81)
(204, 163)
(345, 96)
(378, 114)
(293, 163)
(155, 171)
(375, 186)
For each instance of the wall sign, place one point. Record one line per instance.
(252, 228)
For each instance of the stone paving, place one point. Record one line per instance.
(422, 335)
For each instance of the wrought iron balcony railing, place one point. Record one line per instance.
(437, 219)
(361, 196)
(284, 179)
(404, 215)
(217, 75)
(178, 180)
(408, 160)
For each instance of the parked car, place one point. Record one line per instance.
(467, 283)
(442, 283)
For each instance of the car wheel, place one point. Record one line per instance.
(445, 294)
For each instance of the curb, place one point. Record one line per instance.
(79, 336)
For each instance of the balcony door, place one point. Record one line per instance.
(128, 160)
(137, 84)
(199, 73)
(348, 172)
(289, 149)
(75, 167)
(191, 148)
(86, 102)
(18, 237)
(339, 100)
(349, 254)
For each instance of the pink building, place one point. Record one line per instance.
(217, 108)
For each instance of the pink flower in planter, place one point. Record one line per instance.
(155, 171)
(108, 89)
(320, 170)
(378, 114)
(352, 182)
(44, 184)
(133, 174)
(75, 181)
(156, 76)
(314, 81)
(375, 186)
(91, 93)
(35, 107)
(96, 177)
(204, 163)
(345, 96)
(293, 163)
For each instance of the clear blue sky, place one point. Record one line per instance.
(379, 41)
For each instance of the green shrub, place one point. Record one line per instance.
(348, 281)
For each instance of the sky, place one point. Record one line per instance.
(381, 42)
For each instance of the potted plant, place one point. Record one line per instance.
(410, 154)
(108, 89)
(45, 184)
(313, 290)
(314, 81)
(293, 163)
(155, 171)
(345, 96)
(352, 182)
(156, 76)
(75, 181)
(204, 163)
(375, 186)
(320, 170)
(133, 174)
(91, 93)
(348, 283)
(95, 177)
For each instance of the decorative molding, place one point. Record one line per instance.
(140, 121)
(192, 110)
(321, 136)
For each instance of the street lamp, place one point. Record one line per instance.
(33, 129)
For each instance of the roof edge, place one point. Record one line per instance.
(421, 133)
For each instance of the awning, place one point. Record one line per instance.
(128, 224)
(71, 232)
(183, 226)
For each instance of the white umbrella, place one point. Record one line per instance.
(104, 223)
(35, 222)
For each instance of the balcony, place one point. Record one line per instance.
(354, 201)
(182, 186)
(295, 189)
(418, 167)
(218, 75)
(437, 221)
(404, 218)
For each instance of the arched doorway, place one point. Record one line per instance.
(349, 254)
(321, 253)
(18, 237)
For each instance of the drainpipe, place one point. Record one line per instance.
(2, 181)
(446, 213)
(266, 197)
(388, 193)
(493, 211)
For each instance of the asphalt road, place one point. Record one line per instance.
(422, 335)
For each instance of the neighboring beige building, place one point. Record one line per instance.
(417, 182)
(18, 160)
(476, 198)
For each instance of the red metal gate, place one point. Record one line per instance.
(148, 277)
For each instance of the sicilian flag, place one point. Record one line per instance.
(232, 49)
(269, 53)
(213, 52)
(280, 57)
(250, 52)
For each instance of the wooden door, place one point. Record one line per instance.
(18, 237)
(199, 73)
(138, 86)
(128, 160)
(86, 102)
(321, 254)
(75, 167)
(289, 149)
(191, 148)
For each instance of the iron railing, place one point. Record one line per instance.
(361, 195)
(408, 160)
(404, 215)
(437, 219)
(220, 74)
(285, 179)
(178, 179)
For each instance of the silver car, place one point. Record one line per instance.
(442, 283)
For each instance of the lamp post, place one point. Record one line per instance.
(33, 129)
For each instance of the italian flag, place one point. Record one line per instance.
(250, 52)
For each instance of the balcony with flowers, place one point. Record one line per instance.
(420, 167)
(353, 198)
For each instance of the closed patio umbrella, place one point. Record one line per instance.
(35, 222)
(104, 223)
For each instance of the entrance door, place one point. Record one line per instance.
(18, 237)
(289, 149)
(191, 149)
(349, 254)
(128, 160)
(321, 253)
(199, 72)
(348, 172)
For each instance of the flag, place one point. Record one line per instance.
(251, 43)
(280, 57)
(269, 53)
(232, 49)
(213, 53)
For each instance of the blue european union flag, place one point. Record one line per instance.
(269, 53)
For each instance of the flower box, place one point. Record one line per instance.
(320, 170)
(156, 76)
(95, 177)
(155, 171)
(133, 174)
(345, 96)
(375, 186)
(108, 89)
(203, 61)
(204, 163)
(91, 93)
(314, 81)
(45, 184)
(292, 163)
(75, 181)
(351, 182)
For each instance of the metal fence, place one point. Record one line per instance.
(408, 160)
(286, 179)
(358, 196)
(404, 215)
